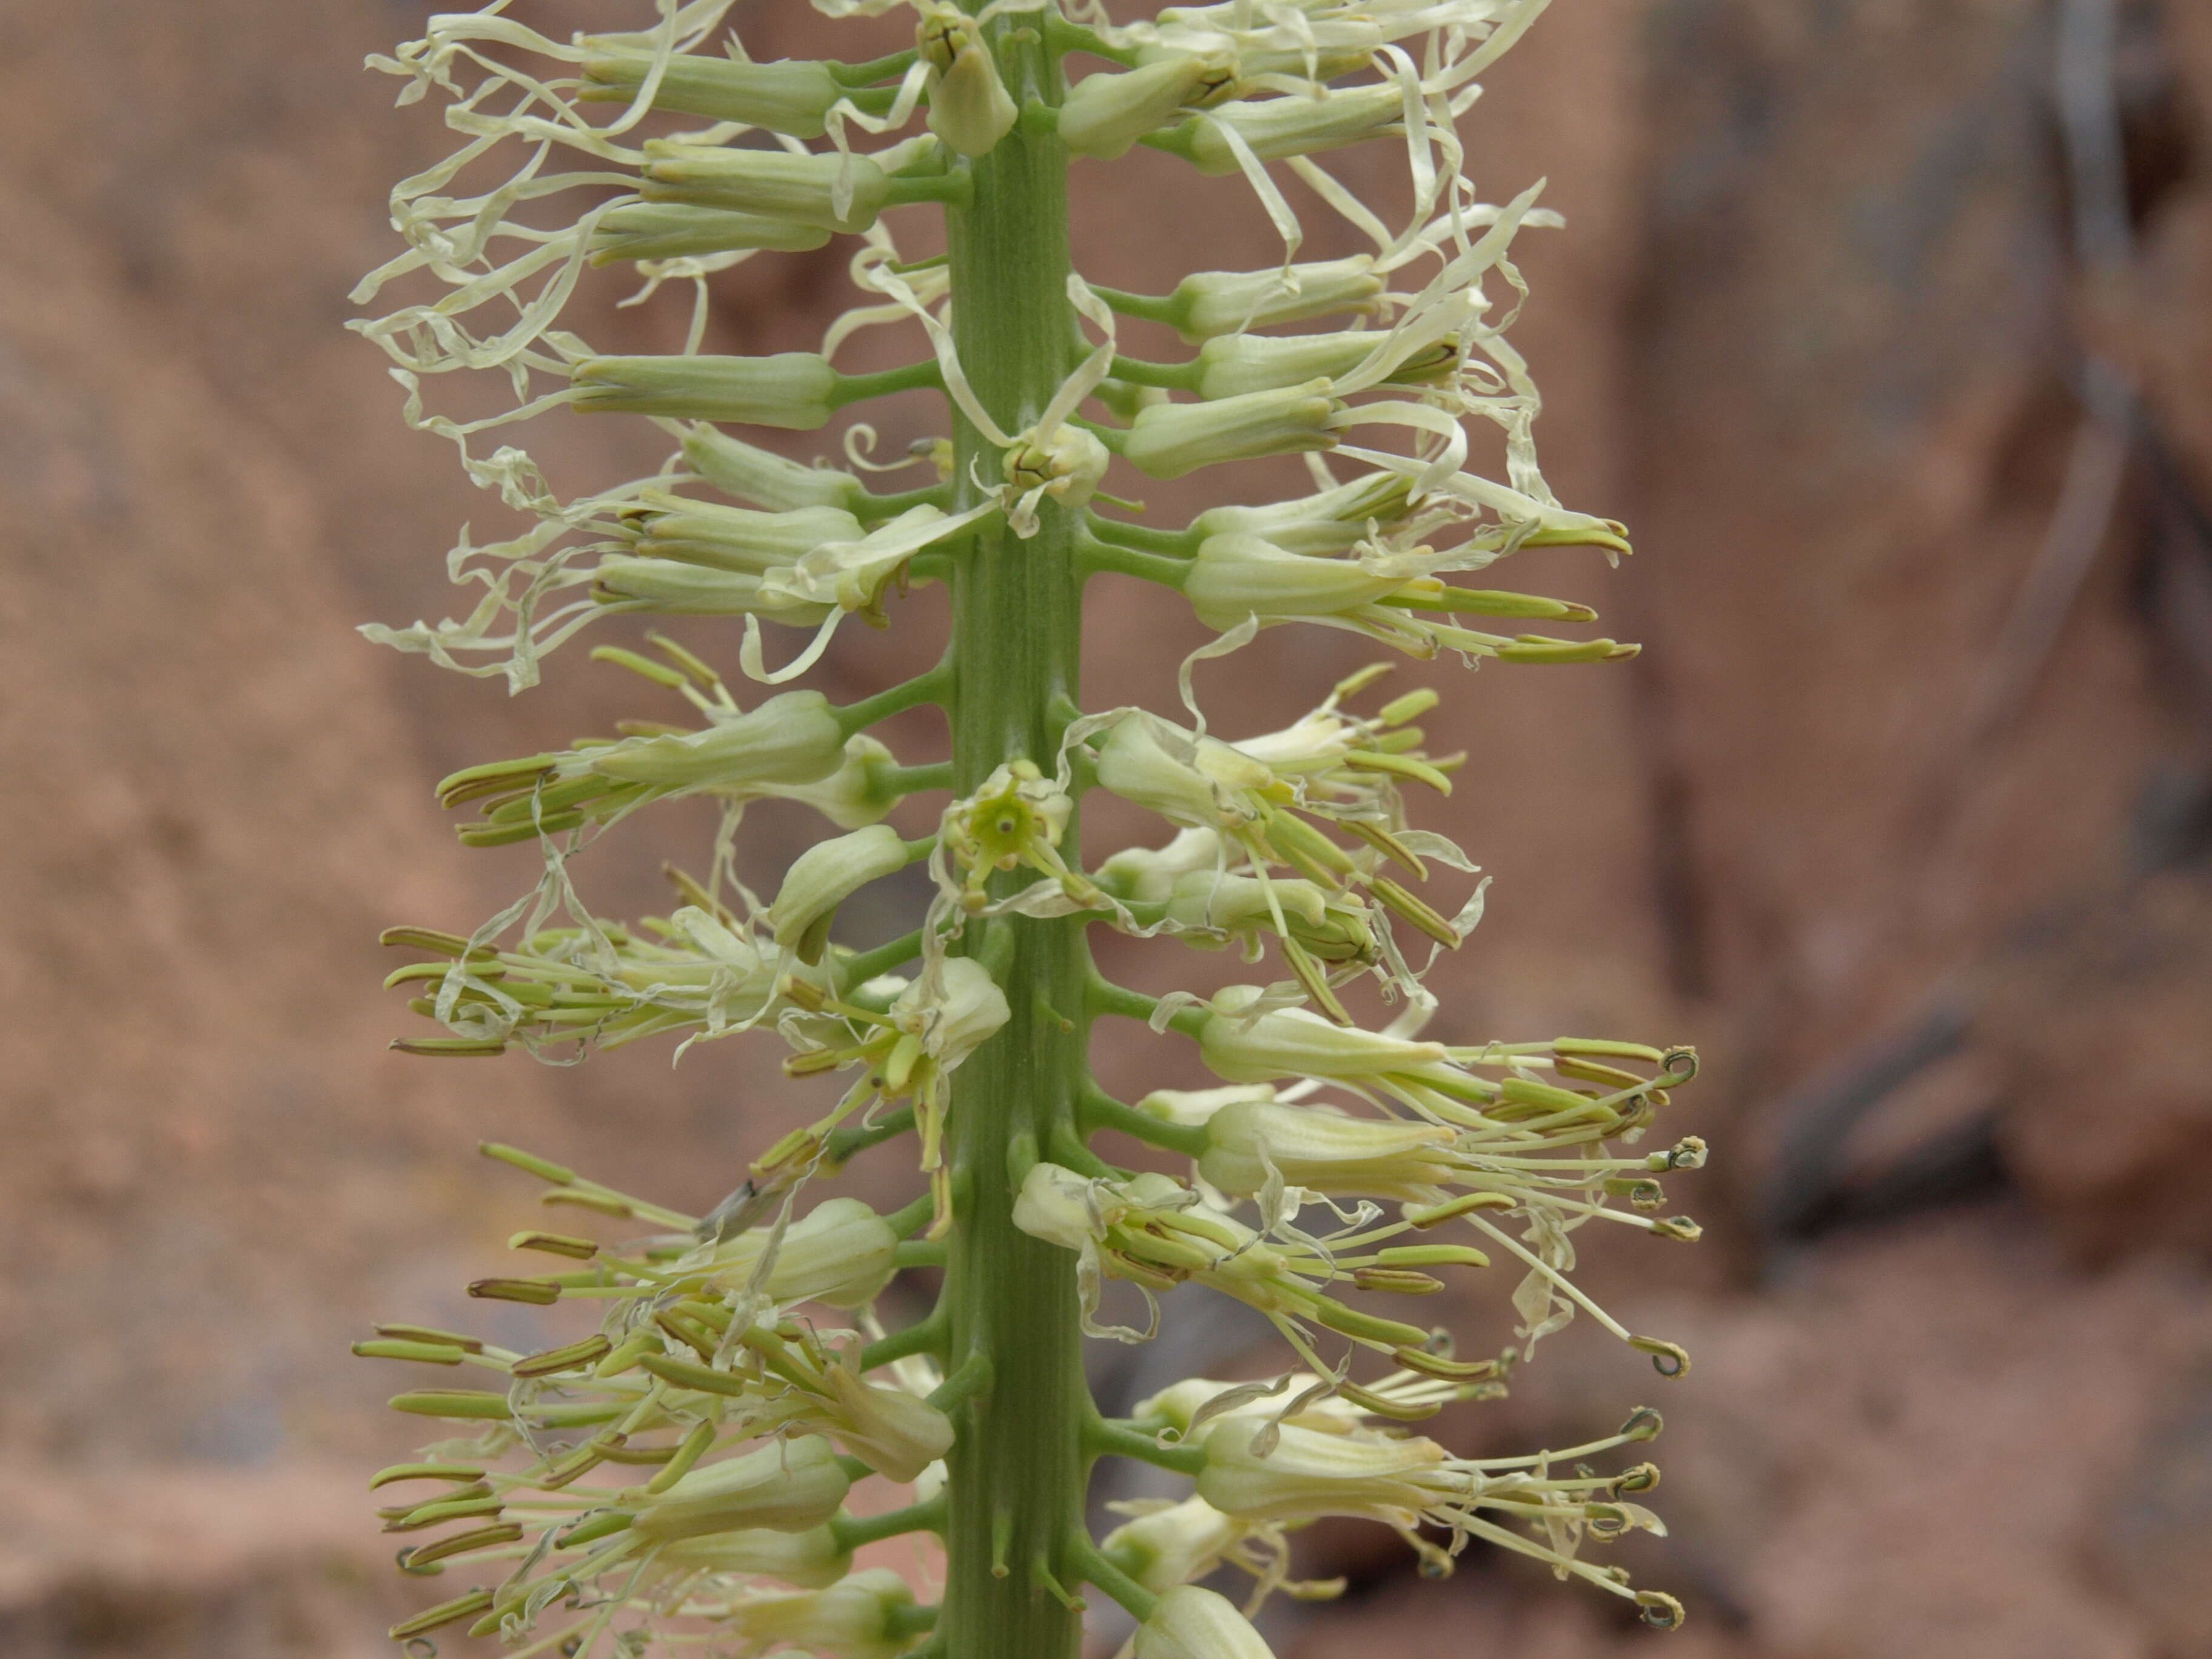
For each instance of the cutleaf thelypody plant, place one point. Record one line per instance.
(682, 1473)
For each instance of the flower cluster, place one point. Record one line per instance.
(742, 1427)
(674, 1468)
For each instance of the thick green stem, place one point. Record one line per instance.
(1101, 1111)
(1014, 1530)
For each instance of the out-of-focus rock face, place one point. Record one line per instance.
(1853, 419)
(2108, 1043)
(1809, 330)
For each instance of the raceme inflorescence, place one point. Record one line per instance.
(681, 1475)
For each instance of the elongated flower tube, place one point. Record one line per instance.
(1211, 303)
(1235, 578)
(812, 1559)
(787, 97)
(674, 1464)
(786, 1487)
(788, 744)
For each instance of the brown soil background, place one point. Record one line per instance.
(1811, 331)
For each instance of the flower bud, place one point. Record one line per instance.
(853, 1619)
(767, 480)
(788, 1485)
(793, 738)
(1237, 576)
(1207, 303)
(792, 389)
(789, 96)
(801, 188)
(1174, 1545)
(1277, 129)
(670, 230)
(1195, 1108)
(824, 877)
(1104, 114)
(1190, 1623)
(969, 107)
(809, 1559)
(1232, 364)
(1311, 1146)
(1170, 440)
(842, 1253)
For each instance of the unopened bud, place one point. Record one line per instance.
(822, 878)
(1191, 1623)
(1195, 1108)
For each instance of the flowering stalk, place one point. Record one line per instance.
(682, 1473)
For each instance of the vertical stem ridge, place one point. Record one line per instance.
(1015, 1514)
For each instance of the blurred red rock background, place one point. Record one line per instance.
(1901, 374)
